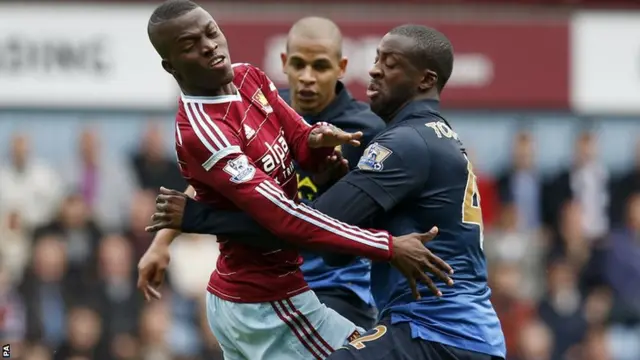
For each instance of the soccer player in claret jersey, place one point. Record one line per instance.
(236, 140)
(414, 174)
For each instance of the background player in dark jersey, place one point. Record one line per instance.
(313, 63)
(413, 175)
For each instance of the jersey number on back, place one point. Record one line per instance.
(372, 335)
(471, 211)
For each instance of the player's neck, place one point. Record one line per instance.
(427, 96)
(227, 89)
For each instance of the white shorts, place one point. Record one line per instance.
(298, 328)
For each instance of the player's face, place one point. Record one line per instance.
(198, 52)
(394, 80)
(313, 68)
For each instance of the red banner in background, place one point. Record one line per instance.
(515, 64)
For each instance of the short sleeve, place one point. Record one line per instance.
(394, 166)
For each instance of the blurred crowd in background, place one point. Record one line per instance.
(562, 242)
(563, 253)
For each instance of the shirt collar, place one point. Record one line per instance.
(335, 108)
(417, 106)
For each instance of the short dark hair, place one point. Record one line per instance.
(432, 50)
(170, 10)
(166, 11)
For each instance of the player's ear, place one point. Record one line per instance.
(166, 65)
(283, 58)
(429, 80)
(343, 66)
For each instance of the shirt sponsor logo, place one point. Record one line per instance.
(276, 154)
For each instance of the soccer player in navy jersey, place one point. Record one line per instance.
(413, 175)
(236, 141)
(314, 64)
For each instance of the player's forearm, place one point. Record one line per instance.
(308, 158)
(283, 230)
(305, 227)
(348, 204)
(241, 227)
(238, 226)
(165, 237)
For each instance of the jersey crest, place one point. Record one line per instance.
(262, 100)
(374, 157)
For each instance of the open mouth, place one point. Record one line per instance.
(372, 90)
(217, 60)
(307, 94)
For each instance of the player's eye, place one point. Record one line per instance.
(321, 67)
(297, 65)
(390, 62)
(187, 47)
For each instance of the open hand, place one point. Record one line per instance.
(412, 259)
(332, 136)
(333, 169)
(170, 206)
(151, 270)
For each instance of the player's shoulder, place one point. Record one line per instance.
(244, 72)
(401, 137)
(206, 123)
(243, 67)
(418, 115)
(395, 145)
(196, 110)
(432, 128)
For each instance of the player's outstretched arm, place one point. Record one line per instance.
(385, 175)
(411, 258)
(345, 203)
(220, 164)
(390, 170)
(176, 211)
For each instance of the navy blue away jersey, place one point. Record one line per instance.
(417, 170)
